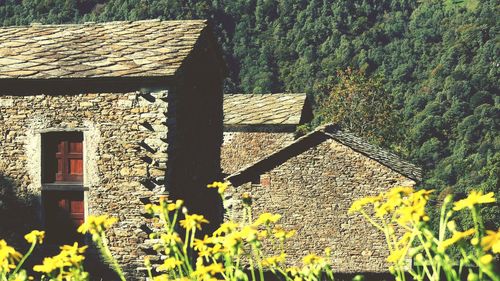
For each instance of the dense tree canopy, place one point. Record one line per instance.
(438, 60)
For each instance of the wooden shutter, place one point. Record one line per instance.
(63, 157)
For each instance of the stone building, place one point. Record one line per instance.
(257, 125)
(312, 182)
(101, 118)
(105, 117)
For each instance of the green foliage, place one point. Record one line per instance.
(439, 60)
(358, 104)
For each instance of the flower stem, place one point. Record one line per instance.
(25, 257)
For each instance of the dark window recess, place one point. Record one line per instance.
(62, 157)
(64, 212)
(63, 195)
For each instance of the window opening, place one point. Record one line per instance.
(63, 193)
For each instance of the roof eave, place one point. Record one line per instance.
(13, 86)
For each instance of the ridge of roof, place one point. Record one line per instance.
(146, 48)
(320, 134)
(268, 94)
(263, 109)
(119, 22)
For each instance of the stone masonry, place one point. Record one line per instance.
(257, 125)
(312, 183)
(112, 142)
(143, 94)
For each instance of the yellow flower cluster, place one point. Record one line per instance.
(96, 224)
(457, 236)
(401, 215)
(233, 252)
(64, 264)
(474, 198)
(35, 236)
(193, 221)
(221, 186)
(274, 261)
(491, 241)
(314, 266)
(206, 272)
(220, 255)
(8, 257)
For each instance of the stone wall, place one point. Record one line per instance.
(241, 149)
(313, 192)
(124, 145)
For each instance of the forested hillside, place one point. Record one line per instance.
(434, 62)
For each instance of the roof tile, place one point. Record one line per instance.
(141, 48)
(263, 109)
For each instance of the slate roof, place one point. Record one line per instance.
(316, 137)
(114, 49)
(263, 109)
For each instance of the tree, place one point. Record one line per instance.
(358, 104)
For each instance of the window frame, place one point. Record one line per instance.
(52, 186)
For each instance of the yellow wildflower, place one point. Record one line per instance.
(396, 255)
(193, 221)
(35, 236)
(246, 198)
(412, 209)
(328, 251)
(293, 271)
(216, 250)
(274, 260)
(263, 234)
(73, 249)
(169, 264)
(221, 186)
(452, 225)
(162, 277)
(152, 209)
(282, 234)
(49, 264)
(8, 257)
(226, 227)
(396, 191)
(232, 241)
(486, 259)
(249, 233)
(69, 256)
(360, 203)
(491, 241)
(200, 245)
(97, 224)
(170, 239)
(202, 271)
(175, 206)
(474, 198)
(312, 259)
(457, 236)
(171, 207)
(267, 218)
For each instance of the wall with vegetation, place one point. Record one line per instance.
(313, 191)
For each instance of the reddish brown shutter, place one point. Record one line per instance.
(74, 160)
(63, 154)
